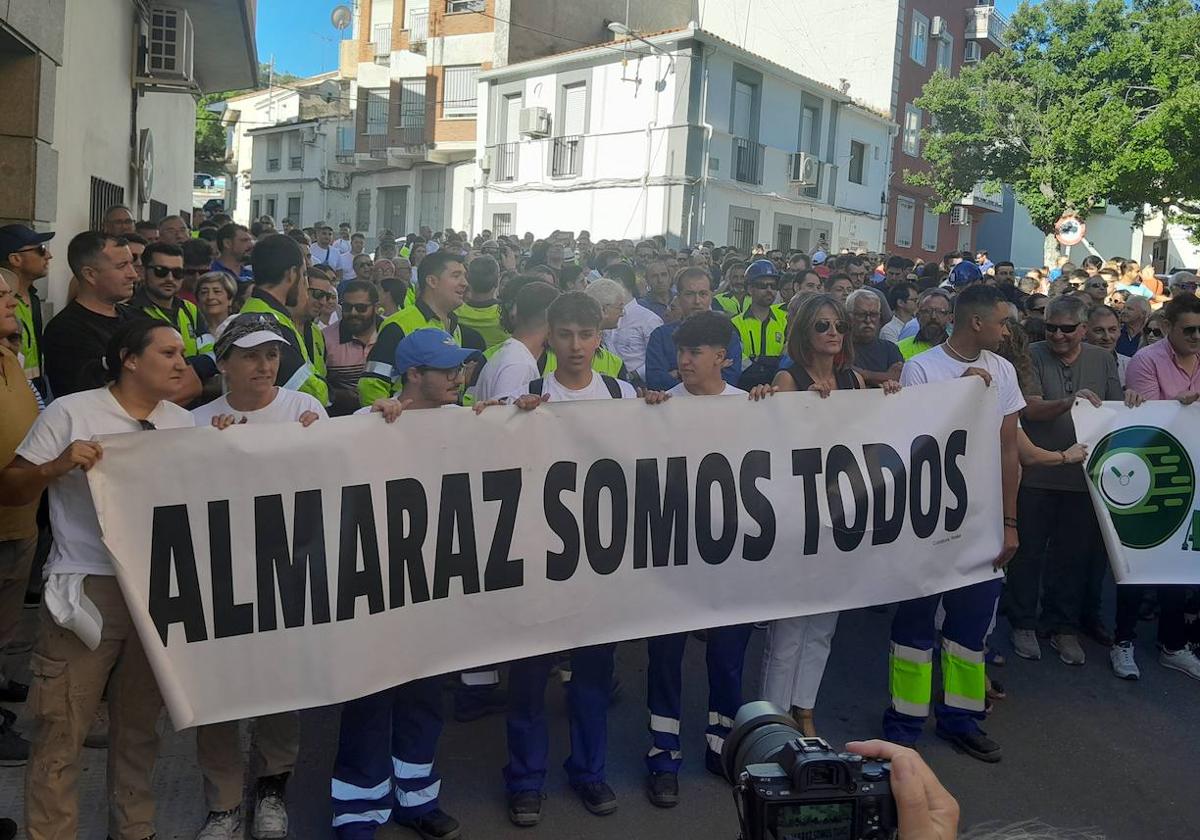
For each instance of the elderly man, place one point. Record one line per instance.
(1133, 321)
(875, 359)
(629, 338)
(174, 230)
(117, 221)
(1061, 552)
(1165, 370)
(934, 314)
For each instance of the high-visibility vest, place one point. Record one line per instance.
(761, 339)
(306, 378)
(31, 353)
(381, 380)
(196, 339)
(604, 362)
(731, 304)
(485, 320)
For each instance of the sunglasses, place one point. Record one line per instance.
(765, 287)
(320, 294)
(161, 271)
(147, 426)
(1065, 329)
(358, 307)
(1097, 285)
(1191, 332)
(1187, 287)
(823, 326)
(1154, 333)
(1040, 310)
(41, 250)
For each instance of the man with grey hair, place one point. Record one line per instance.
(1183, 282)
(629, 335)
(934, 314)
(117, 221)
(174, 230)
(1061, 558)
(875, 359)
(1133, 321)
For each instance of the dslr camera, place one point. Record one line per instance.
(789, 787)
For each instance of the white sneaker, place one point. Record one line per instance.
(1123, 663)
(1181, 660)
(222, 825)
(270, 819)
(1025, 643)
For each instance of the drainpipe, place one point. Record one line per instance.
(650, 127)
(708, 133)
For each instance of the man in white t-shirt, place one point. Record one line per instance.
(514, 364)
(574, 321)
(980, 323)
(86, 638)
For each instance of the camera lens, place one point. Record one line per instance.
(759, 731)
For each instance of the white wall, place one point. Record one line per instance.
(94, 97)
(807, 36)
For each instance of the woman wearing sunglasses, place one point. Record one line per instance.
(821, 358)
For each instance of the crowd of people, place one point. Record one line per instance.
(169, 328)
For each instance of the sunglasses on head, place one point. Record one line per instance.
(40, 249)
(823, 326)
(320, 294)
(357, 307)
(1065, 329)
(161, 271)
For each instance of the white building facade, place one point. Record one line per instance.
(98, 121)
(683, 134)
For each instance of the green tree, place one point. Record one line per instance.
(1092, 101)
(210, 134)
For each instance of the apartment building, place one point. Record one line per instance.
(681, 133)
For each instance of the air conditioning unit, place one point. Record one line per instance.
(937, 27)
(535, 122)
(804, 169)
(959, 215)
(308, 134)
(971, 54)
(170, 42)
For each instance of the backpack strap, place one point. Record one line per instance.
(613, 385)
(537, 386)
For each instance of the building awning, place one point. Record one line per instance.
(226, 57)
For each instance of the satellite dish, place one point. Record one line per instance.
(341, 17)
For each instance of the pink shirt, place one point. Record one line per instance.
(1154, 372)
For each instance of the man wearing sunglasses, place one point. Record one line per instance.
(1168, 369)
(1061, 562)
(348, 343)
(158, 297)
(27, 255)
(762, 328)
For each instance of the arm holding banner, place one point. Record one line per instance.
(22, 482)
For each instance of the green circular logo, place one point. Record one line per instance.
(1146, 480)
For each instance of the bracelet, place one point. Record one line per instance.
(1012, 525)
(1010, 521)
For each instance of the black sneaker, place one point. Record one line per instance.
(13, 692)
(975, 744)
(663, 789)
(525, 808)
(14, 750)
(434, 825)
(8, 829)
(598, 798)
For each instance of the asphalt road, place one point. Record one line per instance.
(1082, 749)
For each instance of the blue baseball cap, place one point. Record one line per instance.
(761, 268)
(431, 348)
(14, 238)
(964, 274)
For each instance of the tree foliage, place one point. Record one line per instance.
(1093, 100)
(210, 134)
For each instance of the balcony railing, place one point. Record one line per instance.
(409, 135)
(381, 40)
(377, 146)
(505, 161)
(566, 158)
(748, 160)
(984, 23)
(418, 27)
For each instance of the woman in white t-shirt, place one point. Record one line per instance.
(86, 638)
(248, 354)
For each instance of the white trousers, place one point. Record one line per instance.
(794, 659)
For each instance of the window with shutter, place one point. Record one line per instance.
(905, 210)
(461, 91)
(574, 116)
(377, 112)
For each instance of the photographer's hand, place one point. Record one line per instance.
(925, 810)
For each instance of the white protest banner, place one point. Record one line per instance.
(1143, 484)
(274, 567)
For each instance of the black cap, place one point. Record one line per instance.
(16, 237)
